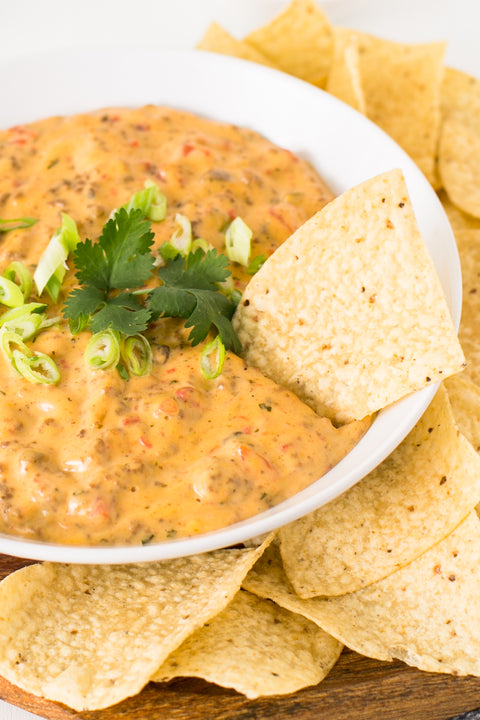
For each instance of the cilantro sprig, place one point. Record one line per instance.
(113, 272)
(190, 291)
(121, 259)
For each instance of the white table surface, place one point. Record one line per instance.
(31, 26)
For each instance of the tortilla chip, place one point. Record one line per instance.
(457, 218)
(298, 41)
(459, 90)
(268, 580)
(89, 636)
(257, 648)
(426, 614)
(401, 83)
(468, 243)
(349, 312)
(218, 40)
(464, 396)
(459, 148)
(418, 495)
(459, 162)
(344, 79)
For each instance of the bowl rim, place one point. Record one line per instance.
(344, 147)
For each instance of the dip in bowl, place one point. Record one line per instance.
(309, 128)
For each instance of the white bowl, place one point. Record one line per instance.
(343, 146)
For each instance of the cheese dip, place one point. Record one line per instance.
(97, 459)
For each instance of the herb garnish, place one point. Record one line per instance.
(113, 272)
(120, 259)
(119, 295)
(190, 291)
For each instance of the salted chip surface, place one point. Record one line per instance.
(89, 636)
(468, 244)
(419, 494)
(217, 39)
(459, 147)
(349, 312)
(257, 648)
(464, 396)
(401, 85)
(426, 614)
(298, 41)
(268, 580)
(344, 79)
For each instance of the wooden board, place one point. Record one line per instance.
(357, 688)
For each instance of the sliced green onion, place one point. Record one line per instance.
(10, 342)
(181, 241)
(27, 320)
(48, 322)
(18, 312)
(79, 323)
(136, 355)
(202, 244)
(182, 237)
(11, 294)
(18, 273)
(228, 288)
(167, 251)
(38, 368)
(16, 224)
(151, 201)
(52, 266)
(25, 326)
(212, 358)
(256, 263)
(103, 350)
(236, 296)
(54, 284)
(238, 241)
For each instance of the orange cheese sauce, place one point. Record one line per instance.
(97, 459)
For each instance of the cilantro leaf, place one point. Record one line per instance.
(201, 270)
(83, 301)
(123, 313)
(212, 309)
(170, 301)
(190, 291)
(121, 258)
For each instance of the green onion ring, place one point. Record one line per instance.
(11, 341)
(137, 355)
(11, 294)
(214, 350)
(181, 239)
(103, 350)
(18, 273)
(52, 266)
(151, 201)
(38, 368)
(238, 239)
(25, 326)
(21, 311)
(202, 244)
